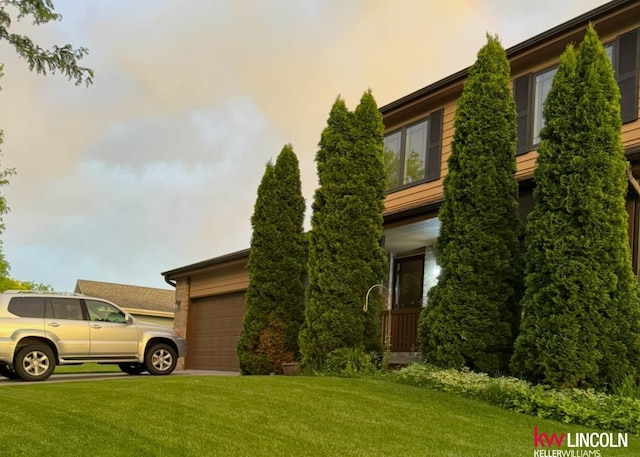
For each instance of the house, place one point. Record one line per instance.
(418, 135)
(144, 303)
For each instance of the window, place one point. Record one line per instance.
(415, 153)
(104, 312)
(392, 145)
(608, 48)
(412, 154)
(530, 91)
(27, 306)
(65, 308)
(542, 88)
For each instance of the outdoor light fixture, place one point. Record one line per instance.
(176, 305)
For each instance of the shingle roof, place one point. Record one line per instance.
(127, 296)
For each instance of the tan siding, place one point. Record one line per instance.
(631, 134)
(422, 194)
(221, 280)
(544, 57)
(525, 165)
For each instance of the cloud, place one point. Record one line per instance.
(156, 165)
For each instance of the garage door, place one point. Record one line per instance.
(214, 328)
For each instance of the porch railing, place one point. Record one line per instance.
(403, 328)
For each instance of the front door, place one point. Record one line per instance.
(407, 303)
(408, 282)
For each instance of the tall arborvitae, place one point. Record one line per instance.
(472, 312)
(345, 256)
(277, 270)
(580, 325)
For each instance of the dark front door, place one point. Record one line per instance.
(408, 282)
(407, 303)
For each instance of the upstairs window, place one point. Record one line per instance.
(530, 91)
(543, 86)
(412, 154)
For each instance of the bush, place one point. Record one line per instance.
(351, 362)
(629, 387)
(577, 406)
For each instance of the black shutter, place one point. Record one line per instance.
(522, 96)
(626, 61)
(434, 148)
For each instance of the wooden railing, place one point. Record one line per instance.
(403, 329)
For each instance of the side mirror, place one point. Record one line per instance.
(129, 320)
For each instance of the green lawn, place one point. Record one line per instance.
(259, 416)
(86, 368)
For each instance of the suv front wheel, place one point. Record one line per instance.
(35, 362)
(161, 359)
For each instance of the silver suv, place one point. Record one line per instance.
(39, 330)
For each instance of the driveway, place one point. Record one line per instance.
(55, 378)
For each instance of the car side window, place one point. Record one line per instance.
(27, 306)
(104, 312)
(65, 308)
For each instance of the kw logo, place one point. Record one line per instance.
(543, 439)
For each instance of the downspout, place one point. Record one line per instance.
(634, 247)
(170, 282)
(632, 180)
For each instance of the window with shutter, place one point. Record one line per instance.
(413, 154)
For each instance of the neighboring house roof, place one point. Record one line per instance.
(135, 299)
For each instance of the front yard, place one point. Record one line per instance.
(256, 416)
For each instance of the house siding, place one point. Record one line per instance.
(542, 57)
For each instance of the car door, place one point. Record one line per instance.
(65, 323)
(111, 335)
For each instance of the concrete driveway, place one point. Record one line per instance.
(102, 376)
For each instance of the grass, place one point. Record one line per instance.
(255, 416)
(86, 368)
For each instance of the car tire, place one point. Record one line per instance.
(7, 372)
(35, 362)
(161, 359)
(132, 368)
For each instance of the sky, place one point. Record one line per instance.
(156, 165)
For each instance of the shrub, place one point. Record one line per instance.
(345, 256)
(275, 296)
(581, 324)
(629, 387)
(473, 313)
(350, 362)
(578, 406)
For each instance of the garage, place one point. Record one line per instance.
(214, 328)
(209, 309)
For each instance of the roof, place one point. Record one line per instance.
(238, 255)
(522, 47)
(127, 296)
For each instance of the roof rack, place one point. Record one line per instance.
(43, 292)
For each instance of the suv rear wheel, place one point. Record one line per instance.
(7, 372)
(35, 362)
(161, 359)
(132, 368)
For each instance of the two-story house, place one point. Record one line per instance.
(418, 135)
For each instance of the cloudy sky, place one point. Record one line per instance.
(156, 165)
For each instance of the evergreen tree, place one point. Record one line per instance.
(345, 256)
(472, 312)
(581, 311)
(277, 270)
